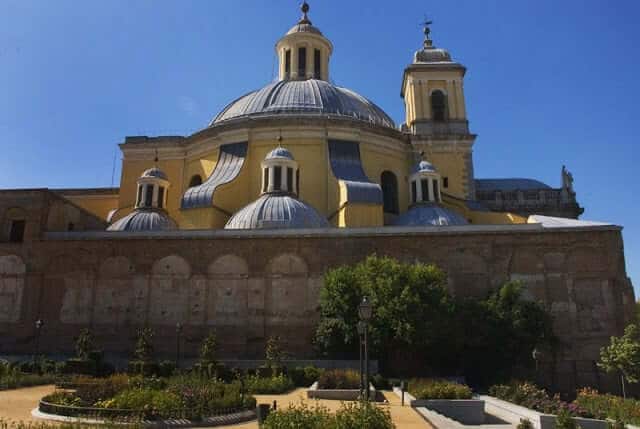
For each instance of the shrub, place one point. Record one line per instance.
(565, 420)
(269, 385)
(155, 403)
(530, 396)
(525, 424)
(304, 377)
(380, 382)
(350, 416)
(208, 350)
(299, 416)
(362, 415)
(339, 379)
(91, 390)
(604, 406)
(438, 389)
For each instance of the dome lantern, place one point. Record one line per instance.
(152, 189)
(425, 184)
(304, 52)
(280, 173)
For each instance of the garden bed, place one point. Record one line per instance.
(464, 411)
(338, 394)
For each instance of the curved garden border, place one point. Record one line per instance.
(92, 415)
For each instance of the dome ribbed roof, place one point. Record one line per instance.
(304, 97)
(144, 220)
(279, 152)
(304, 27)
(424, 167)
(429, 214)
(432, 55)
(154, 172)
(276, 211)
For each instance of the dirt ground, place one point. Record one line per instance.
(16, 405)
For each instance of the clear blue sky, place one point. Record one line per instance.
(549, 82)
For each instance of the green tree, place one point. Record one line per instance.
(622, 356)
(209, 349)
(84, 344)
(414, 313)
(274, 352)
(144, 345)
(411, 306)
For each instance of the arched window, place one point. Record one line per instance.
(438, 105)
(195, 181)
(389, 184)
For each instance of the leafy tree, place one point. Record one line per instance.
(208, 349)
(411, 306)
(483, 339)
(84, 344)
(274, 353)
(622, 356)
(144, 345)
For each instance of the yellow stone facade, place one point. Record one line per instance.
(444, 141)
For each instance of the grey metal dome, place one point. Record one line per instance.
(424, 166)
(276, 211)
(304, 27)
(279, 152)
(144, 220)
(154, 172)
(304, 97)
(431, 54)
(429, 214)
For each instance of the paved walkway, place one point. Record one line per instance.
(16, 405)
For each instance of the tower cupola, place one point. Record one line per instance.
(280, 173)
(304, 52)
(152, 189)
(425, 184)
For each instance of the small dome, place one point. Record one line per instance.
(154, 172)
(432, 55)
(304, 27)
(424, 167)
(144, 220)
(276, 211)
(429, 214)
(311, 97)
(280, 152)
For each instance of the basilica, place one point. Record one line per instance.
(233, 227)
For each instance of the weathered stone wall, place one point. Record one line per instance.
(248, 286)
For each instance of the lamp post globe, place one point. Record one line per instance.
(365, 310)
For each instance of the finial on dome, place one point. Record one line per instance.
(305, 10)
(427, 32)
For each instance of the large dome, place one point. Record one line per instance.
(304, 97)
(276, 211)
(429, 214)
(144, 220)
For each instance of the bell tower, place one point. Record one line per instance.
(436, 116)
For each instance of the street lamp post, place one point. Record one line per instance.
(361, 329)
(39, 324)
(537, 356)
(178, 334)
(365, 311)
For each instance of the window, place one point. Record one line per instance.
(277, 178)
(289, 179)
(436, 191)
(445, 182)
(16, 234)
(425, 189)
(438, 105)
(148, 196)
(160, 197)
(302, 62)
(195, 181)
(139, 199)
(317, 63)
(389, 184)
(287, 63)
(266, 180)
(414, 192)
(298, 182)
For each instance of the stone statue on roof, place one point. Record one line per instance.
(567, 179)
